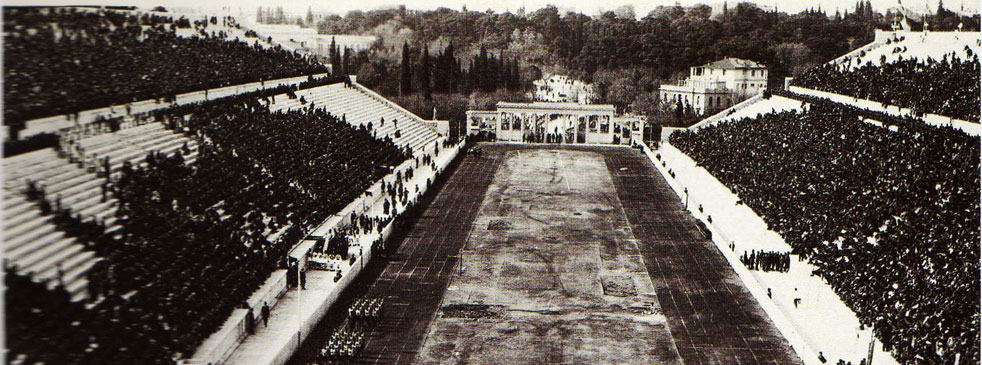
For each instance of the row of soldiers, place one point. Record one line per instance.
(344, 346)
(767, 260)
(365, 310)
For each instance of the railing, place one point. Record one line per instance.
(700, 84)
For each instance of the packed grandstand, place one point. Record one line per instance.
(886, 207)
(134, 238)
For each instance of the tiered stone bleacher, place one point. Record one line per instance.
(361, 109)
(929, 73)
(243, 160)
(33, 243)
(898, 46)
(166, 262)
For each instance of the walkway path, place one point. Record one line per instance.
(713, 317)
(414, 277)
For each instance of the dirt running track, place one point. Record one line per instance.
(570, 255)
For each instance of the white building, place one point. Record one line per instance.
(717, 85)
(294, 37)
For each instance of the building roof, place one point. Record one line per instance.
(538, 105)
(730, 63)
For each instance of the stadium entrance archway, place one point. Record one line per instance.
(543, 122)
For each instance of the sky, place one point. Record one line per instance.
(590, 7)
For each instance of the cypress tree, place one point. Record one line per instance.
(480, 70)
(335, 58)
(455, 78)
(346, 62)
(516, 75)
(471, 79)
(405, 72)
(503, 73)
(423, 79)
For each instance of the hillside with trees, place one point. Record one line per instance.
(446, 51)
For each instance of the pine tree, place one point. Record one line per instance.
(424, 74)
(310, 16)
(259, 15)
(405, 72)
(725, 11)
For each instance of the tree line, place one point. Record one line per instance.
(614, 50)
(668, 39)
(444, 73)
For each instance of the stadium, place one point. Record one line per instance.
(392, 186)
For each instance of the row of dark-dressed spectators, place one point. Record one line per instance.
(196, 240)
(948, 87)
(63, 60)
(889, 214)
(13, 147)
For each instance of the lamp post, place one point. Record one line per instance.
(686, 198)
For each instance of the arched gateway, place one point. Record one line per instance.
(543, 122)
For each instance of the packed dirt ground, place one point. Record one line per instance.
(551, 273)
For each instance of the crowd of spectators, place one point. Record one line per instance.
(193, 241)
(45, 326)
(948, 87)
(62, 60)
(888, 211)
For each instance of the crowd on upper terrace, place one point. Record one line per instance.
(192, 242)
(888, 213)
(63, 60)
(948, 87)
